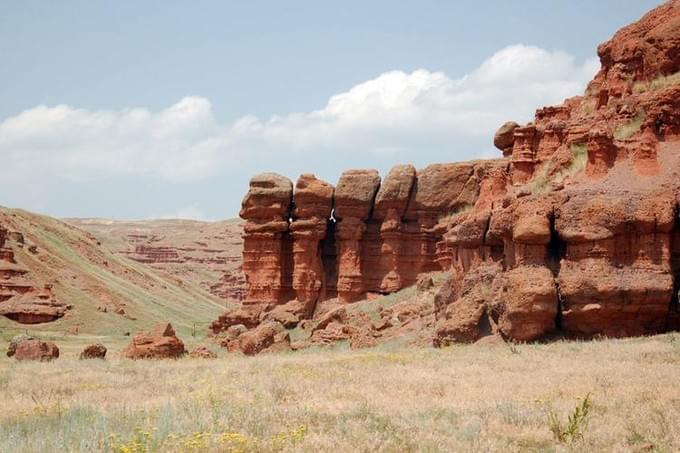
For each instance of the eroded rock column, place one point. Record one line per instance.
(266, 242)
(354, 196)
(390, 206)
(313, 203)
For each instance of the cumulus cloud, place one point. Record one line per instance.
(394, 117)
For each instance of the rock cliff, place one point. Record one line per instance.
(573, 231)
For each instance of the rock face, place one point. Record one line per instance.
(574, 232)
(353, 203)
(313, 204)
(159, 343)
(32, 349)
(267, 244)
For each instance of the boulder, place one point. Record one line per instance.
(33, 349)
(94, 351)
(505, 137)
(158, 343)
(267, 337)
(525, 303)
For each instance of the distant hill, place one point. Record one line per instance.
(53, 269)
(207, 254)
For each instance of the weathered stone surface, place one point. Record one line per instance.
(94, 351)
(267, 260)
(159, 343)
(525, 303)
(617, 276)
(313, 205)
(574, 231)
(21, 299)
(354, 198)
(390, 205)
(33, 307)
(461, 307)
(267, 337)
(246, 316)
(505, 137)
(32, 349)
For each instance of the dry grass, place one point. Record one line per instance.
(632, 127)
(464, 398)
(657, 84)
(448, 216)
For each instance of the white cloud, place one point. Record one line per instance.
(397, 116)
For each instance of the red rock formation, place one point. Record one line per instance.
(505, 138)
(267, 337)
(390, 206)
(573, 232)
(313, 204)
(33, 307)
(616, 278)
(267, 260)
(20, 300)
(32, 349)
(159, 343)
(354, 197)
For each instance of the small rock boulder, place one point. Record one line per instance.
(268, 336)
(94, 351)
(505, 137)
(338, 314)
(159, 343)
(234, 317)
(36, 350)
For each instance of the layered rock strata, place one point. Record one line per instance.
(573, 232)
(21, 299)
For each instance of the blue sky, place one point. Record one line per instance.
(149, 109)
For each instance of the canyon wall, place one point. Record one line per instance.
(573, 231)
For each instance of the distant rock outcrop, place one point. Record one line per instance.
(20, 299)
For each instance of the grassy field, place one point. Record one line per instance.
(463, 398)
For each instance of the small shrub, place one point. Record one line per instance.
(576, 425)
(626, 131)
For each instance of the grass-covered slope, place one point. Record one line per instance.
(88, 276)
(463, 398)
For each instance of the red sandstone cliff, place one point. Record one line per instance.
(573, 231)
